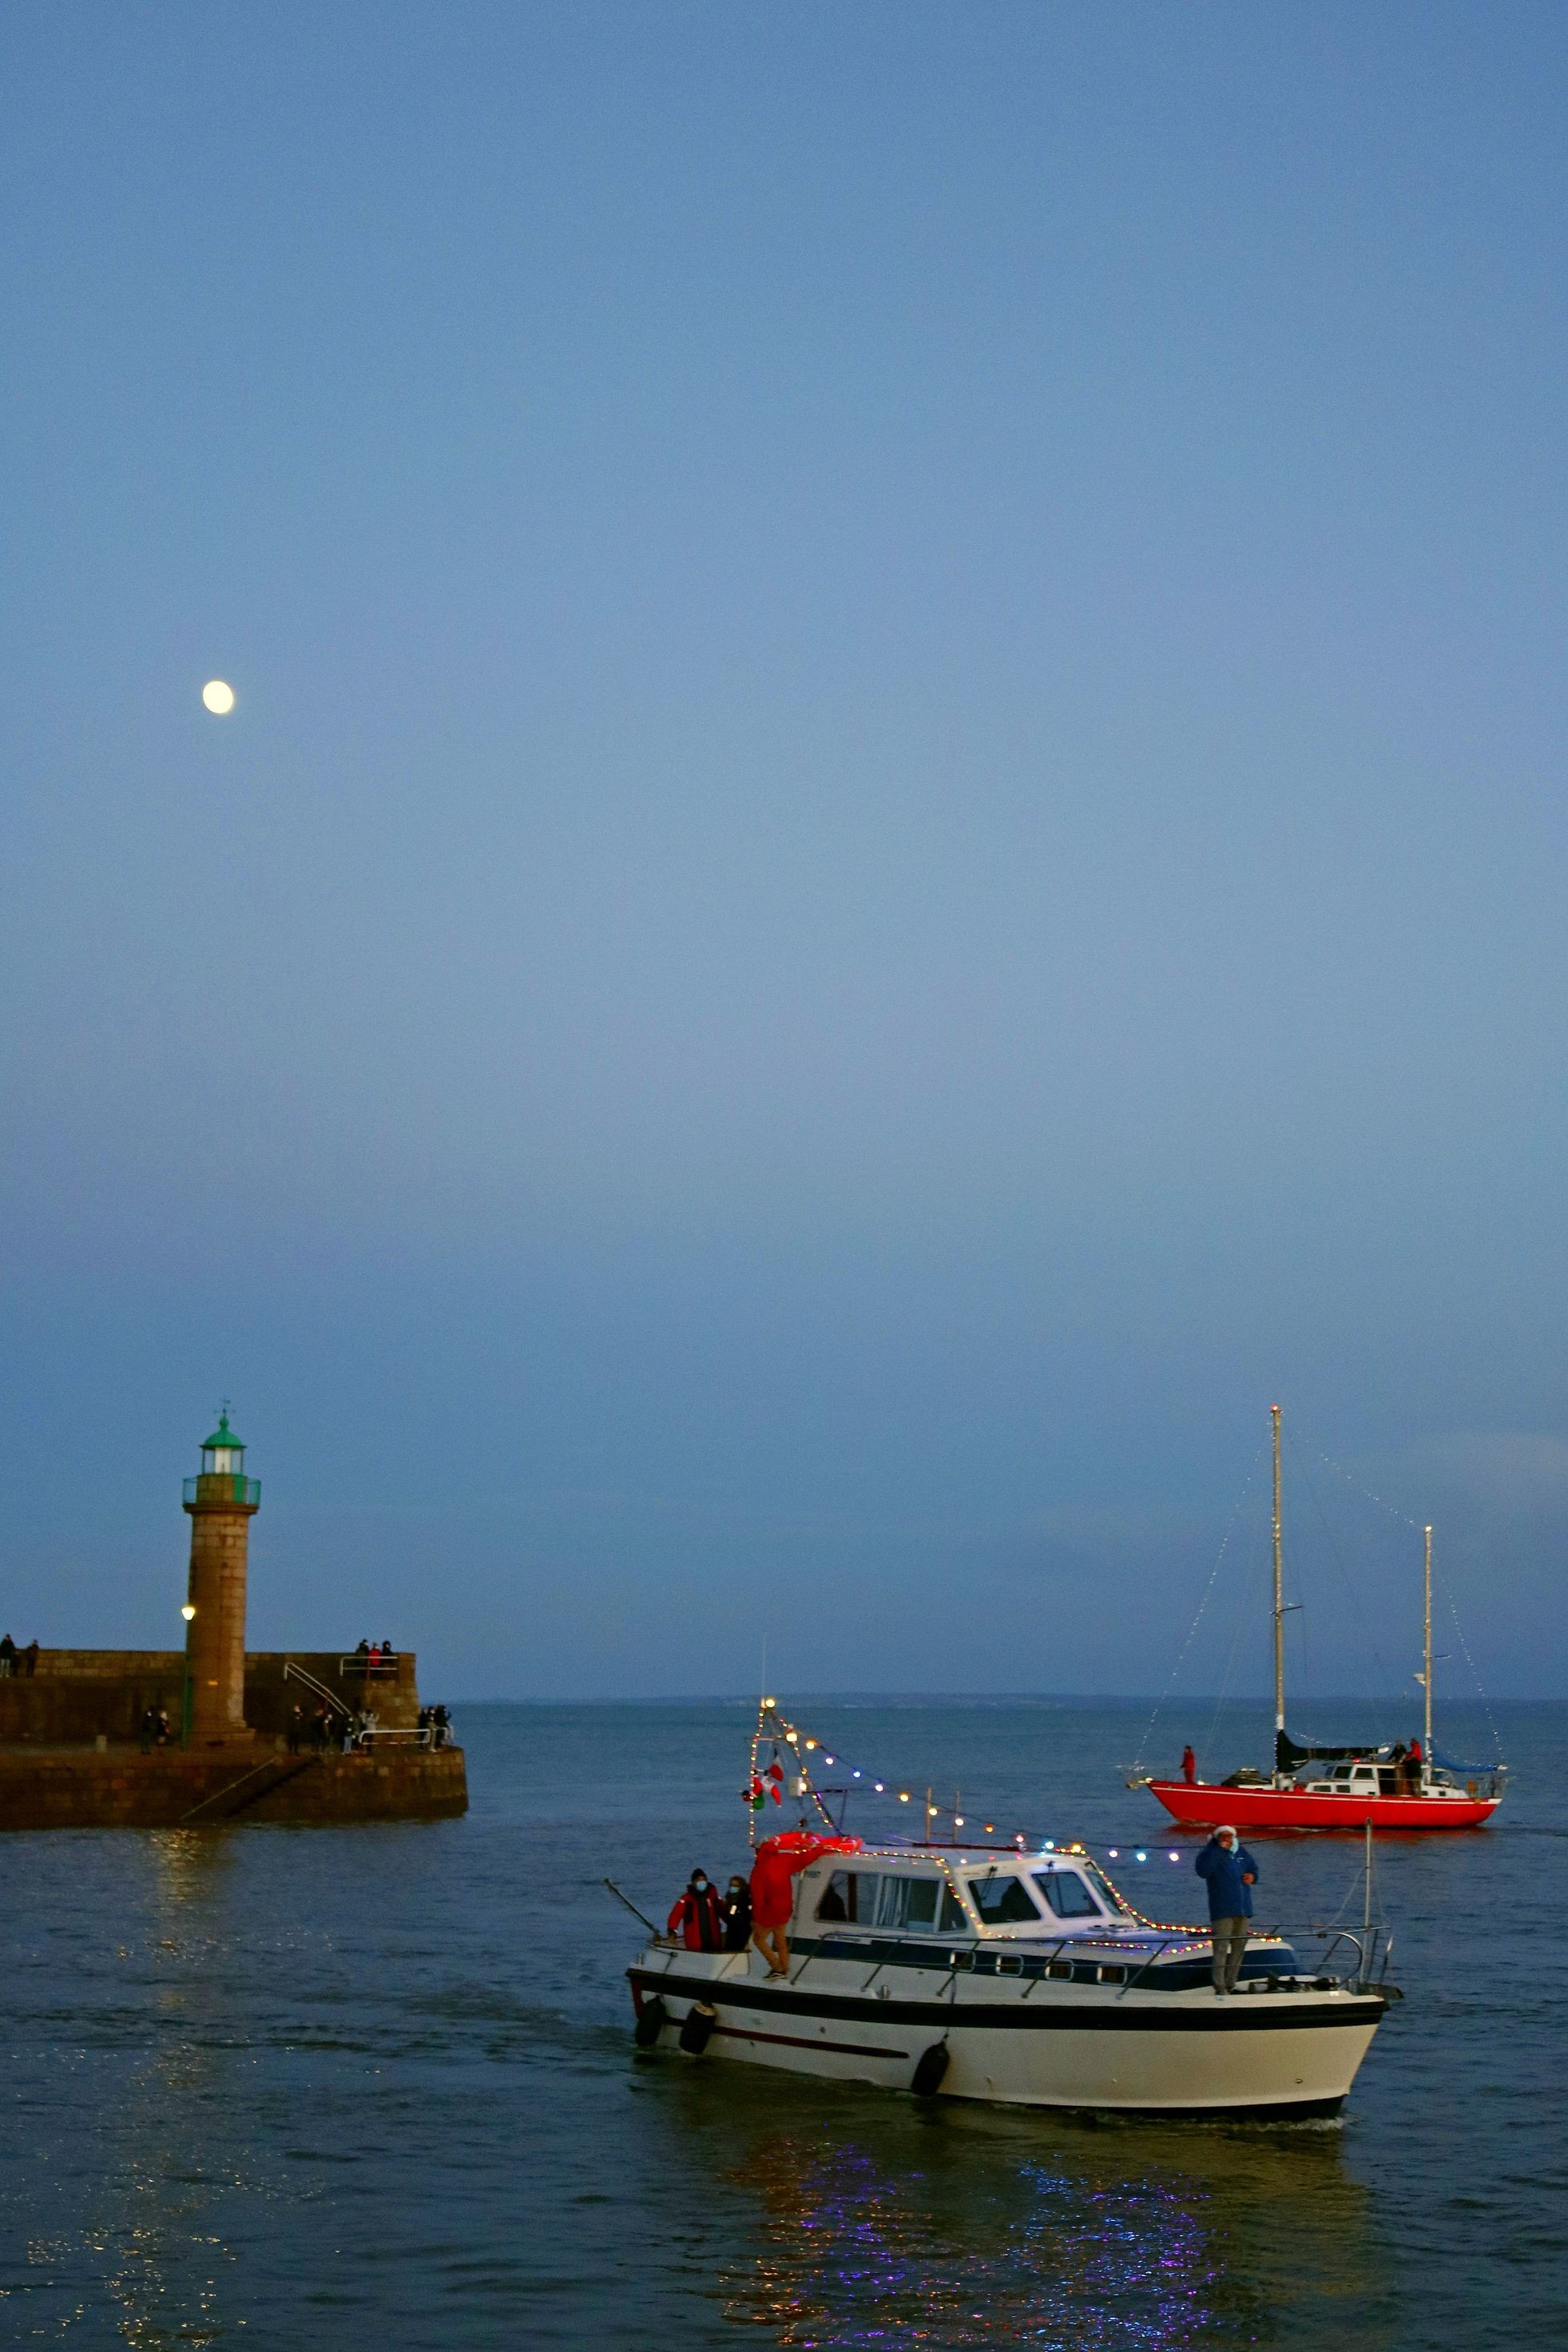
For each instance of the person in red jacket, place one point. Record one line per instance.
(772, 1901)
(772, 1889)
(696, 1917)
(1188, 1765)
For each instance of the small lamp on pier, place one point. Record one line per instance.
(187, 1613)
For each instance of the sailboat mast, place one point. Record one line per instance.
(1279, 1587)
(1427, 1655)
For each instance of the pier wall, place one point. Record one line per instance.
(125, 1790)
(80, 1696)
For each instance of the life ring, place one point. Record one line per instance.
(652, 2019)
(929, 2069)
(695, 2028)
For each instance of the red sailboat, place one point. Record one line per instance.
(1391, 1787)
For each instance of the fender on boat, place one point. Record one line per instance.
(929, 2069)
(696, 2027)
(652, 2019)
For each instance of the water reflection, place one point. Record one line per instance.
(879, 2224)
(169, 2163)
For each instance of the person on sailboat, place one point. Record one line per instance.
(1188, 1765)
(1230, 1873)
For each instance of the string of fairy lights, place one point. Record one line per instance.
(789, 1776)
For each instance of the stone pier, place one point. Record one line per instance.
(82, 1789)
(76, 1749)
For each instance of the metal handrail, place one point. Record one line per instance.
(301, 1674)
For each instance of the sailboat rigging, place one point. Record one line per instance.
(1390, 1786)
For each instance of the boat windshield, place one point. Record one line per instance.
(1070, 1896)
(1002, 1900)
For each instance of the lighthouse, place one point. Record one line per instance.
(222, 1502)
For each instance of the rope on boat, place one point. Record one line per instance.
(1207, 1594)
(1393, 1511)
(1448, 1593)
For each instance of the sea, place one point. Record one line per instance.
(309, 2089)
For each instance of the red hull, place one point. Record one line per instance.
(1198, 1806)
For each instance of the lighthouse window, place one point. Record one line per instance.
(1068, 1895)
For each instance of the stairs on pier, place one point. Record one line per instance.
(238, 1796)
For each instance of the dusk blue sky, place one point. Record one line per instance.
(892, 845)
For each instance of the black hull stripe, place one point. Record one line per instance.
(1244, 2013)
(811, 2041)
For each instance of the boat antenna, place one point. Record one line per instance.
(1278, 1597)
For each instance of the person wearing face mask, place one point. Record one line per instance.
(736, 1905)
(696, 1917)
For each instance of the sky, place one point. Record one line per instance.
(893, 844)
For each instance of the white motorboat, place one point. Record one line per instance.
(1018, 1977)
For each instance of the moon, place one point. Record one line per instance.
(218, 697)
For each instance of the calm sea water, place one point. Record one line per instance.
(315, 2088)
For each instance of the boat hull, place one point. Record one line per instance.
(1200, 1805)
(1267, 2056)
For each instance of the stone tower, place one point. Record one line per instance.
(222, 1502)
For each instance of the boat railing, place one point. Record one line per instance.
(1369, 1970)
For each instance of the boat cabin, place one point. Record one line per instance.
(1011, 1898)
(1362, 1779)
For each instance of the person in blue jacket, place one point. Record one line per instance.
(1230, 1875)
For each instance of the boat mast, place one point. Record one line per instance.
(1278, 1594)
(1427, 1656)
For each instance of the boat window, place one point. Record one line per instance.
(954, 1915)
(850, 1895)
(890, 1909)
(922, 1909)
(1070, 1896)
(1002, 1900)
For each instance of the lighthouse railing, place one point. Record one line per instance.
(219, 1486)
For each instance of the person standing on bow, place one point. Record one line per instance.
(772, 1905)
(697, 1918)
(1230, 1873)
(1188, 1765)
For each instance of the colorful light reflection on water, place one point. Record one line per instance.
(948, 2234)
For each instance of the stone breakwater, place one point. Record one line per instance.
(75, 1696)
(92, 1789)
